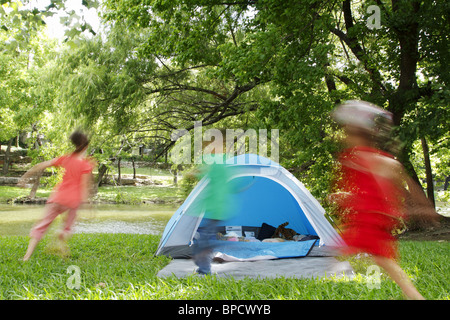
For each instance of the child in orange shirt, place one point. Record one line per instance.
(68, 195)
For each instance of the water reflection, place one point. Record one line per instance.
(136, 219)
(153, 226)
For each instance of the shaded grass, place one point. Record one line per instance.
(122, 266)
(11, 192)
(138, 194)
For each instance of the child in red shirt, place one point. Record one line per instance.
(68, 195)
(371, 188)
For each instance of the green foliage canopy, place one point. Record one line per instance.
(164, 64)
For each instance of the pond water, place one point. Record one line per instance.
(140, 219)
(105, 218)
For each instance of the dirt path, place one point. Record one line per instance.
(441, 233)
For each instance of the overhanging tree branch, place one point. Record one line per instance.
(180, 88)
(355, 47)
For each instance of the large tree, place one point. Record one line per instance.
(287, 62)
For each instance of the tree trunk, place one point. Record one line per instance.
(428, 171)
(35, 186)
(134, 168)
(403, 157)
(101, 172)
(118, 170)
(175, 177)
(7, 157)
(447, 183)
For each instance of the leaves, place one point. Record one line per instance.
(163, 64)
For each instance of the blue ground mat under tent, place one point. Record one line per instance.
(253, 250)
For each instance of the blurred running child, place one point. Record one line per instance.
(67, 195)
(215, 201)
(371, 188)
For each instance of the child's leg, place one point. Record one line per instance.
(38, 231)
(52, 211)
(68, 224)
(31, 246)
(65, 233)
(203, 249)
(399, 276)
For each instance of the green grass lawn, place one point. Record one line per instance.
(121, 266)
(9, 192)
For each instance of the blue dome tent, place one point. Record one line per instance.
(266, 194)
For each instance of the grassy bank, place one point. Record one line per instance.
(109, 194)
(9, 192)
(119, 266)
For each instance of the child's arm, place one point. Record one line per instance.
(33, 171)
(422, 210)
